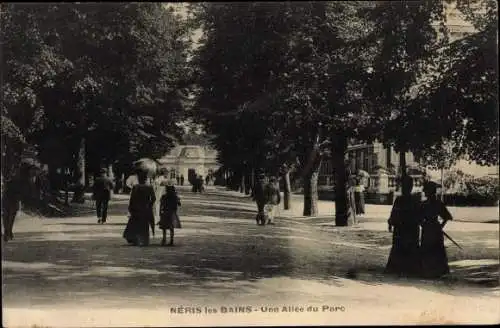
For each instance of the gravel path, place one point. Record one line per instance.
(73, 272)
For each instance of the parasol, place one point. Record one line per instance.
(363, 174)
(146, 165)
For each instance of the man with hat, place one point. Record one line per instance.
(101, 194)
(273, 199)
(259, 195)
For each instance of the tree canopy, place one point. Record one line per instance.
(114, 74)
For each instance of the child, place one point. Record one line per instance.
(168, 213)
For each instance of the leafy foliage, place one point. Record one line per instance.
(115, 74)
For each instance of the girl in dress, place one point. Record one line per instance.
(433, 253)
(142, 199)
(169, 219)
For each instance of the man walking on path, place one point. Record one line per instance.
(273, 199)
(259, 195)
(102, 193)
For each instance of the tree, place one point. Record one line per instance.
(281, 62)
(468, 87)
(108, 80)
(408, 40)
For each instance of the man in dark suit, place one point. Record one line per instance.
(259, 196)
(102, 193)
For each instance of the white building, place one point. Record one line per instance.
(187, 160)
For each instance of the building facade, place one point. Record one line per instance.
(380, 162)
(189, 160)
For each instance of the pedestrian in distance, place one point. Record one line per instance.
(141, 217)
(259, 196)
(404, 222)
(199, 182)
(11, 200)
(359, 196)
(432, 250)
(182, 180)
(169, 219)
(273, 199)
(101, 193)
(351, 201)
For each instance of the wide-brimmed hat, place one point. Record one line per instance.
(431, 186)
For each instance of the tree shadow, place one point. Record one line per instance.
(109, 266)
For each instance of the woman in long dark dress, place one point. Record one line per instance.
(169, 219)
(433, 253)
(142, 199)
(404, 221)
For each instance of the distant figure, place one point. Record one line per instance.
(11, 199)
(102, 189)
(273, 199)
(169, 219)
(359, 196)
(182, 180)
(141, 217)
(157, 183)
(259, 196)
(351, 201)
(404, 220)
(198, 184)
(432, 250)
(178, 179)
(207, 180)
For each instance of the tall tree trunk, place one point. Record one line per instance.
(248, 178)
(344, 216)
(53, 179)
(252, 179)
(80, 174)
(287, 190)
(310, 179)
(311, 194)
(442, 184)
(402, 162)
(242, 182)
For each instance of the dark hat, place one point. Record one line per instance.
(431, 186)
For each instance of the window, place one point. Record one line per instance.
(366, 163)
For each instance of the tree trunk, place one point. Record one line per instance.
(311, 194)
(442, 184)
(344, 216)
(252, 180)
(80, 174)
(54, 182)
(287, 190)
(402, 163)
(242, 182)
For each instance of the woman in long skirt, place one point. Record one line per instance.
(142, 199)
(433, 252)
(404, 221)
